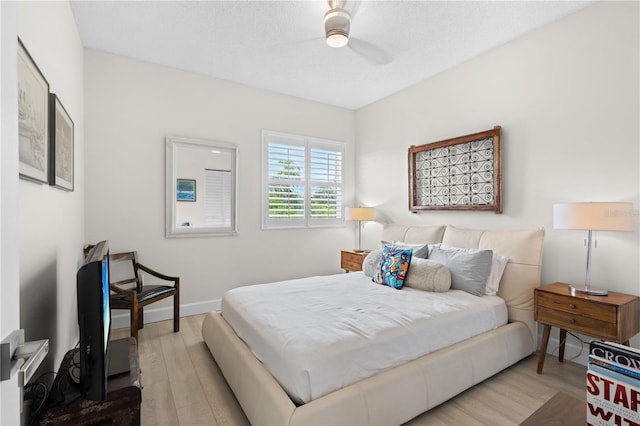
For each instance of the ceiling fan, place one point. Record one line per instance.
(337, 23)
(337, 27)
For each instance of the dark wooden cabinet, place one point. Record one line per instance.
(122, 406)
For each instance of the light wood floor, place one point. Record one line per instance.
(182, 385)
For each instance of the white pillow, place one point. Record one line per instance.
(498, 263)
(370, 263)
(427, 275)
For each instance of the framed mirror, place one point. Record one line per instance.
(201, 187)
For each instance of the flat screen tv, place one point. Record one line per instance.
(94, 320)
(97, 358)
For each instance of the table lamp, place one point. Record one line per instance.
(593, 217)
(360, 214)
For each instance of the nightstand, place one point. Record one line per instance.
(615, 317)
(351, 260)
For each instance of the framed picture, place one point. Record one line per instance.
(61, 145)
(185, 190)
(462, 173)
(33, 119)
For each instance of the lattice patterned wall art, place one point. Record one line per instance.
(461, 173)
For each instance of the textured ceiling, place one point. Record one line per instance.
(279, 45)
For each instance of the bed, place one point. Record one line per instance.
(395, 394)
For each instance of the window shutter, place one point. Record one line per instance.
(286, 181)
(302, 181)
(217, 207)
(325, 184)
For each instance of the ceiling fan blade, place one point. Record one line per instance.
(352, 6)
(368, 51)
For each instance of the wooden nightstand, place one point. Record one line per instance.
(351, 260)
(615, 317)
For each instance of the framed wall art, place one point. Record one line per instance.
(33, 119)
(61, 145)
(462, 173)
(185, 190)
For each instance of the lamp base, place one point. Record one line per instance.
(590, 291)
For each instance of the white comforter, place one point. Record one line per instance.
(318, 334)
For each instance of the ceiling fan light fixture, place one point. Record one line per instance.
(337, 23)
(337, 39)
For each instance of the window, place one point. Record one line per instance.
(301, 181)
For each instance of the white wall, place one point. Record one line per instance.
(52, 220)
(9, 279)
(130, 108)
(567, 97)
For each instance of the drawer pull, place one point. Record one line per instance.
(572, 306)
(572, 320)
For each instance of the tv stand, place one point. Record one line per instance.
(119, 362)
(67, 407)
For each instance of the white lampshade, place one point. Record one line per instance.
(360, 213)
(594, 216)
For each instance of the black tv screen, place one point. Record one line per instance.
(94, 321)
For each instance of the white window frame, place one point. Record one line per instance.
(308, 144)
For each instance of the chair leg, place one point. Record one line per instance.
(141, 318)
(176, 313)
(134, 324)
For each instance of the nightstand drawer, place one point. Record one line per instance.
(351, 260)
(577, 322)
(353, 257)
(351, 266)
(578, 307)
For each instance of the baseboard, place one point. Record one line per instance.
(574, 350)
(121, 320)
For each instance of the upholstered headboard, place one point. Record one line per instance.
(523, 248)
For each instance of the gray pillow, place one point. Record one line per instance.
(419, 250)
(470, 268)
(370, 263)
(427, 275)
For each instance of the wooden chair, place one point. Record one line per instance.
(131, 294)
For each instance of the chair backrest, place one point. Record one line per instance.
(124, 270)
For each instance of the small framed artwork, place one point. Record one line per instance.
(61, 145)
(462, 173)
(185, 190)
(33, 119)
